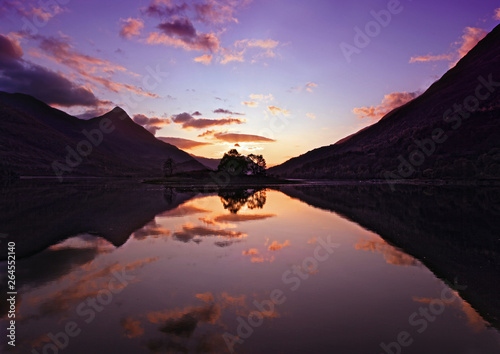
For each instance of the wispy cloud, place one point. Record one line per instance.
(184, 144)
(276, 110)
(390, 102)
(469, 39)
(242, 138)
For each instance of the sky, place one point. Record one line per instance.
(270, 77)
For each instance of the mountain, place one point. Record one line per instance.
(430, 136)
(38, 140)
(212, 164)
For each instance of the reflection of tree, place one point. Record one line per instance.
(234, 200)
(168, 195)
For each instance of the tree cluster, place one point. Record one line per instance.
(237, 165)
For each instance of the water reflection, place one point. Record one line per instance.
(235, 199)
(196, 265)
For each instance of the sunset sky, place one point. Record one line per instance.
(276, 77)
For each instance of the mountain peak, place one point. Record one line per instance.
(118, 110)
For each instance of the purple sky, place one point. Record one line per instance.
(275, 77)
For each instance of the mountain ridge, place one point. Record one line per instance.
(374, 152)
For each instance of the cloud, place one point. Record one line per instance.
(230, 56)
(181, 33)
(390, 102)
(27, 9)
(469, 39)
(197, 113)
(188, 121)
(497, 14)
(250, 103)
(94, 112)
(131, 27)
(261, 97)
(204, 59)
(218, 12)
(257, 43)
(311, 115)
(429, 57)
(152, 124)
(207, 133)
(275, 246)
(19, 75)
(310, 86)
(164, 8)
(268, 45)
(226, 111)
(203, 42)
(184, 144)
(276, 110)
(242, 138)
(62, 52)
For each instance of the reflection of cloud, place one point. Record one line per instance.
(390, 253)
(82, 287)
(257, 257)
(189, 232)
(474, 319)
(242, 217)
(132, 328)
(152, 229)
(275, 246)
(183, 210)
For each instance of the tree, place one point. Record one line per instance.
(257, 164)
(233, 163)
(236, 164)
(168, 167)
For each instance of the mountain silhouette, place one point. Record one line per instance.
(38, 140)
(428, 137)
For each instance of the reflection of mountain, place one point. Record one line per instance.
(453, 231)
(34, 135)
(36, 218)
(470, 150)
(235, 199)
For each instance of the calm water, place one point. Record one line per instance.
(144, 269)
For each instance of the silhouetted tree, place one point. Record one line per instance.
(257, 164)
(236, 164)
(168, 167)
(233, 163)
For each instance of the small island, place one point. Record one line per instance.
(234, 170)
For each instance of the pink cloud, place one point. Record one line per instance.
(390, 102)
(131, 27)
